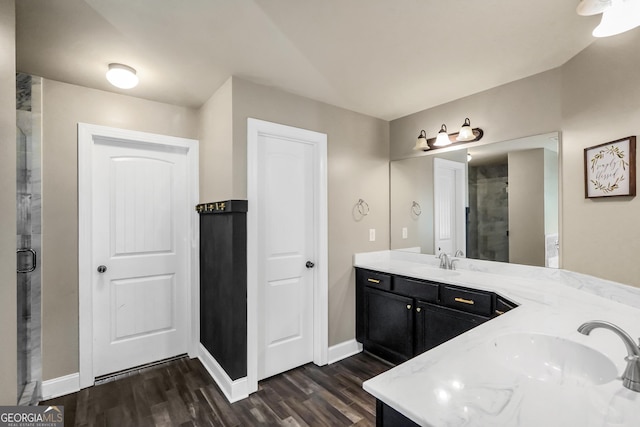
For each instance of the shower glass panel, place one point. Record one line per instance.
(28, 239)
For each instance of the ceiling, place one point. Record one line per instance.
(383, 58)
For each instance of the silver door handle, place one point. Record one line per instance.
(33, 261)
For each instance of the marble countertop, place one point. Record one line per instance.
(467, 382)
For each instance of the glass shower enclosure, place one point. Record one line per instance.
(28, 239)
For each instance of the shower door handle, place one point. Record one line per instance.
(33, 261)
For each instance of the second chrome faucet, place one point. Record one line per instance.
(631, 375)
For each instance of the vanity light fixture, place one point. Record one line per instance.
(421, 143)
(618, 16)
(122, 76)
(442, 140)
(466, 134)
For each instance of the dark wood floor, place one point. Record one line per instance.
(181, 393)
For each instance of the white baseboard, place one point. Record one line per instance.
(233, 390)
(343, 350)
(60, 386)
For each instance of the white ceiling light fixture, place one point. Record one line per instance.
(592, 7)
(618, 16)
(122, 76)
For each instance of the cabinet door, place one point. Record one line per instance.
(366, 278)
(388, 322)
(436, 324)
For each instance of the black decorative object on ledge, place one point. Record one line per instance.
(223, 283)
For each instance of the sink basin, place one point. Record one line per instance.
(553, 359)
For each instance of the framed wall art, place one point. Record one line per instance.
(610, 169)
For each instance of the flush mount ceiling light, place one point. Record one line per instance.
(122, 76)
(421, 142)
(618, 16)
(442, 140)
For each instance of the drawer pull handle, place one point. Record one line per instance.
(498, 312)
(418, 309)
(464, 301)
(373, 280)
(408, 306)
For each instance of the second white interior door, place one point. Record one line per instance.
(286, 235)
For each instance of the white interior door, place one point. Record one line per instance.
(286, 235)
(449, 194)
(141, 235)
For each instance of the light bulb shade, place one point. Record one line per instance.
(122, 76)
(421, 142)
(592, 7)
(466, 133)
(620, 17)
(442, 140)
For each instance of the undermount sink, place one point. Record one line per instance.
(553, 359)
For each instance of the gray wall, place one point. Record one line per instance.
(8, 327)
(601, 103)
(215, 123)
(526, 207)
(64, 106)
(525, 107)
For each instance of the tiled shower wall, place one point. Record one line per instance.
(28, 197)
(488, 217)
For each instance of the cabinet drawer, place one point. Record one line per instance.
(466, 300)
(376, 280)
(425, 291)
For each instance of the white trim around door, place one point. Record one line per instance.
(86, 135)
(256, 129)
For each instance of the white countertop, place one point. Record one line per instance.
(467, 382)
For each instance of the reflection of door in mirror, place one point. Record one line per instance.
(449, 197)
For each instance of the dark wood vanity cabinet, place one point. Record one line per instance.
(398, 317)
(436, 324)
(388, 324)
(386, 416)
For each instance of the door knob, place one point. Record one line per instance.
(102, 269)
(309, 264)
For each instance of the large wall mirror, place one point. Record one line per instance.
(496, 202)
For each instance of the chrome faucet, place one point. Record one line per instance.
(446, 261)
(631, 375)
